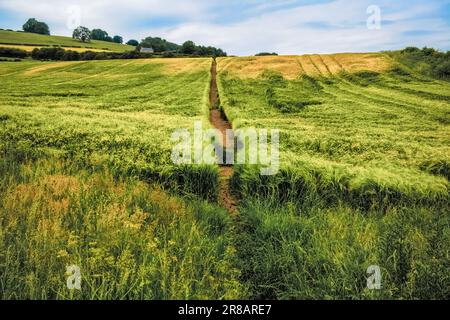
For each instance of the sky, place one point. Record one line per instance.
(247, 27)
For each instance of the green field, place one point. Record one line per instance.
(119, 113)
(89, 132)
(365, 147)
(27, 40)
(87, 179)
(369, 139)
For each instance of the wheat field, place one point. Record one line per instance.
(87, 179)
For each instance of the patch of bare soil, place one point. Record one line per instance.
(226, 198)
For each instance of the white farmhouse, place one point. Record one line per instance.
(147, 50)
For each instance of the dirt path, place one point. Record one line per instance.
(226, 198)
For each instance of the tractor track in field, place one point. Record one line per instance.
(219, 121)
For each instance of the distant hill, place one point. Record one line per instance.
(290, 67)
(31, 40)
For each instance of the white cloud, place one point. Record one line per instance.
(112, 15)
(319, 28)
(287, 31)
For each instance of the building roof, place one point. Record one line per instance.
(147, 50)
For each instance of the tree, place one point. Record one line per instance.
(188, 47)
(99, 34)
(159, 45)
(133, 43)
(117, 39)
(30, 25)
(34, 26)
(261, 54)
(82, 33)
(443, 70)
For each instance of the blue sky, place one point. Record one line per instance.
(247, 27)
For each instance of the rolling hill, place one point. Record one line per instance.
(29, 41)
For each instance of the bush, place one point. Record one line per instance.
(443, 70)
(9, 60)
(88, 55)
(59, 54)
(13, 53)
(169, 55)
(70, 55)
(426, 61)
(48, 54)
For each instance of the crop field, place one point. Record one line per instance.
(106, 112)
(120, 113)
(364, 179)
(78, 139)
(291, 67)
(372, 139)
(8, 38)
(87, 179)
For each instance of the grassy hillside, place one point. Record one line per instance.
(37, 40)
(31, 48)
(130, 240)
(78, 142)
(291, 67)
(369, 138)
(364, 176)
(86, 178)
(121, 113)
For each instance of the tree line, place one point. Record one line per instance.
(187, 48)
(427, 61)
(158, 44)
(60, 54)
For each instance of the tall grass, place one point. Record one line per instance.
(130, 240)
(289, 253)
(363, 180)
(327, 185)
(87, 180)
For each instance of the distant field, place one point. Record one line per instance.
(8, 38)
(369, 134)
(291, 67)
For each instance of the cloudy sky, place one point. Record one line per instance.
(246, 27)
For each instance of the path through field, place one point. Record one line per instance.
(219, 121)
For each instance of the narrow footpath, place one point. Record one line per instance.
(218, 120)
